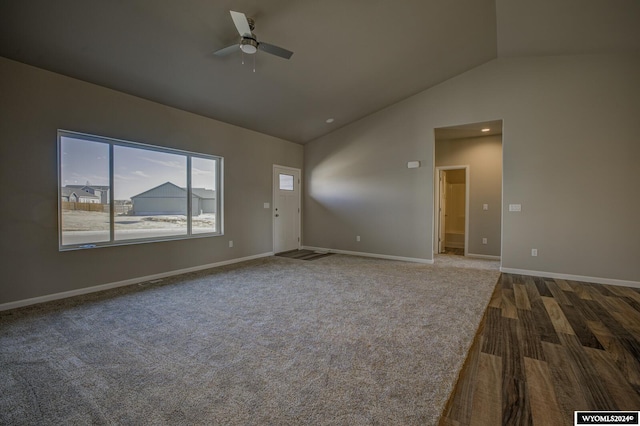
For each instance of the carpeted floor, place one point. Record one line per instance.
(447, 260)
(340, 340)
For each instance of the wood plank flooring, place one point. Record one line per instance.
(454, 251)
(546, 348)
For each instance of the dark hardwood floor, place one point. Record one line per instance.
(546, 348)
(454, 250)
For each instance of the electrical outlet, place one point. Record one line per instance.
(230, 243)
(357, 237)
(534, 252)
(484, 241)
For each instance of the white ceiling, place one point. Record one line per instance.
(351, 57)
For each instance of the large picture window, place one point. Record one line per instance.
(116, 192)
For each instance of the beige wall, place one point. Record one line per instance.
(484, 158)
(570, 152)
(570, 147)
(35, 103)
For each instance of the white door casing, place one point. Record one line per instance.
(286, 209)
(442, 210)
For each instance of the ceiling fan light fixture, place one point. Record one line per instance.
(249, 46)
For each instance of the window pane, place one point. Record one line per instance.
(204, 197)
(84, 191)
(286, 182)
(149, 187)
(154, 184)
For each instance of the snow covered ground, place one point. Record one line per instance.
(80, 227)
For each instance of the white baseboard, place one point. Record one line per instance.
(482, 256)
(363, 254)
(596, 280)
(93, 289)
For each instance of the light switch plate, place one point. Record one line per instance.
(515, 207)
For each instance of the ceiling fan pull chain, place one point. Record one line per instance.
(254, 63)
(242, 56)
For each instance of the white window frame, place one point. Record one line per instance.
(112, 142)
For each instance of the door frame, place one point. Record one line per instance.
(436, 212)
(274, 188)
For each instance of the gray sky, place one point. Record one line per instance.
(135, 170)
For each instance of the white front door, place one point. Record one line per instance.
(286, 209)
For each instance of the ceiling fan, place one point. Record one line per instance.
(249, 43)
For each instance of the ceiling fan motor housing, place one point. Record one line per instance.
(249, 45)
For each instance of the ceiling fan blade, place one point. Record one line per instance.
(241, 23)
(275, 50)
(227, 50)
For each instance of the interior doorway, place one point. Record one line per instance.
(453, 200)
(477, 148)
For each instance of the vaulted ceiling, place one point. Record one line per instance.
(351, 57)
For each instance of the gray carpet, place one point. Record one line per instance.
(341, 340)
(448, 260)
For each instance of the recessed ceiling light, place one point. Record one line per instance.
(486, 129)
(329, 120)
